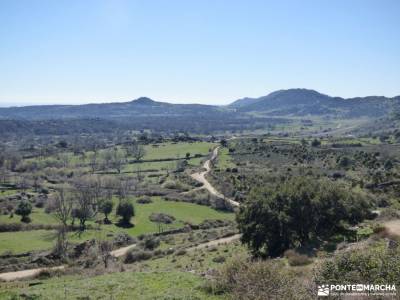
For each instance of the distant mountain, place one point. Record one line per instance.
(301, 102)
(283, 103)
(244, 102)
(140, 107)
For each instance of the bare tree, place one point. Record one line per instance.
(137, 151)
(65, 159)
(93, 160)
(63, 209)
(36, 181)
(124, 187)
(87, 194)
(22, 183)
(105, 248)
(118, 159)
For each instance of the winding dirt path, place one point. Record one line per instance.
(201, 177)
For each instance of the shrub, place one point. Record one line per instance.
(379, 264)
(137, 255)
(144, 200)
(219, 259)
(180, 252)
(150, 243)
(161, 218)
(296, 259)
(243, 279)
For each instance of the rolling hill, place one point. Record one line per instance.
(279, 107)
(302, 102)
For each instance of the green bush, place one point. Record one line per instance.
(243, 279)
(377, 264)
(137, 255)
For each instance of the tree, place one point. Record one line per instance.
(137, 151)
(106, 207)
(296, 212)
(316, 143)
(105, 248)
(87, 194)
(93, 160)
(388, 165)
(24, 209)
(117, 159)
(224, 143)
(63, 209)
(63, 205)
(124, 186)
(126, 211)
(344, 162)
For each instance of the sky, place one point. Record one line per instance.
(208, 51)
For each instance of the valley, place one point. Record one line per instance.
(190, 196)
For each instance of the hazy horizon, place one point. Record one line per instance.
(20, 104)
(195, 52)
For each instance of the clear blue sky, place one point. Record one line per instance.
(214, 51)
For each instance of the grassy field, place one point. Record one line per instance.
(126, 285)
(158, 278)
(23, 241)
(179, 150)
(38, 216)
(159, 151)
(224, 159)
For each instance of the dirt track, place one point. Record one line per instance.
(201, 177)
(226, 240)
(393, 226)
(122, 251)
(25, 273)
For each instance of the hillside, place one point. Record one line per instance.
(141, 106)
(263, 113)
(291, 102)
(301, 102)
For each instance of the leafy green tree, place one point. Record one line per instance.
(388, 165)
(344, 162)
(126, 211)
(297, 212)
(24, 209)
(316, 143)
(106, 207)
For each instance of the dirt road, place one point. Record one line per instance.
(26, 273)
(226, 240)
(122, 251)
(201, 177)
(393, 226)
